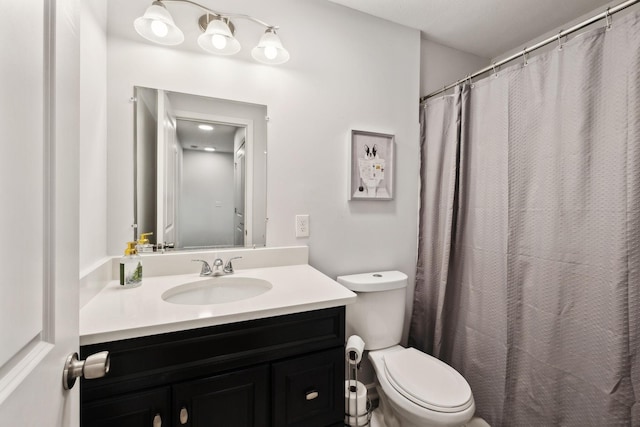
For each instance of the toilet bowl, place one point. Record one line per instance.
(415, 389)
(418, 390)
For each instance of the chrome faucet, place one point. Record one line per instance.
(206, 268)
(228, 268)
(218, 269)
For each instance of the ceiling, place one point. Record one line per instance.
(220, 138)
(486, 28)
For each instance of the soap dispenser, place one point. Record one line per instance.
(131, 267)
(143, 245)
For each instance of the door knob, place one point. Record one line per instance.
(94, 366)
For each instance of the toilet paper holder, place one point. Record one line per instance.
(358, 408)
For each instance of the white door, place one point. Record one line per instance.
(239, 196)
(167, 170)
(39, 76)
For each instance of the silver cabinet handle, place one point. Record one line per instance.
(157, 421)
(95, 366)
(312, 395)
(184, 415)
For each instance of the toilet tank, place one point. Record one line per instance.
(377, 316)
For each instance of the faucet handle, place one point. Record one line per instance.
(228, 268)
(206, 268)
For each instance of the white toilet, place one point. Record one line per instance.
(415, 389)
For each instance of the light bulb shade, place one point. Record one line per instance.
(218, 39)
(157, 26)
(270, 49)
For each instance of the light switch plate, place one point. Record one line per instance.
(302, 225)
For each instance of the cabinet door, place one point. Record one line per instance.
(238, 399)
(308, 391)
(143, 409)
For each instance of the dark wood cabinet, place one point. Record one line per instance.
(239, 398)
(305, 390)
(144, 408)
(274, 372)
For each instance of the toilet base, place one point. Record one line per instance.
(377, 420)
(477, 422)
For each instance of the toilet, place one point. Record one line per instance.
(415, 389)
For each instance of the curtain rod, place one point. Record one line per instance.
(604, 15)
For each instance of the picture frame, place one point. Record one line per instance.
(372, 163)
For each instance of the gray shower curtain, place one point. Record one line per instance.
(528, 278)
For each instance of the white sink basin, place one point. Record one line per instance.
(216, 290)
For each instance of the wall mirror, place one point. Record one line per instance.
(200, 178)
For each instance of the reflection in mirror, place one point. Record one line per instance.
(200, 179)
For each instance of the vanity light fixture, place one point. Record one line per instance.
(270, 50)
(205, 127)
(209, 149)
(218, 35)
(157, 25)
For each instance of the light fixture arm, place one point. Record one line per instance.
(224, 15)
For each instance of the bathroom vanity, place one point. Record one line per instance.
(276, 359)
(281, 371)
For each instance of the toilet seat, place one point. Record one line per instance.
(427, 381)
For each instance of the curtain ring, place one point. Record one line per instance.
(560, 40)
(495, 73)
(608, 19)
(525, 57)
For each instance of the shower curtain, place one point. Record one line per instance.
(528, 277)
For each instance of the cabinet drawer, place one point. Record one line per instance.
(308, 390)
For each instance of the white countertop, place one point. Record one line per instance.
(116, 313)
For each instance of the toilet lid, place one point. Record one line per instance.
(426, 381)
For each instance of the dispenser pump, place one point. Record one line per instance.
(143, 240)
(143, 245)
(131, 249)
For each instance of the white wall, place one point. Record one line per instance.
(347, 71)
(441, 65)
(93, 132)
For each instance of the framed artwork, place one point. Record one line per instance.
(372, 164)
